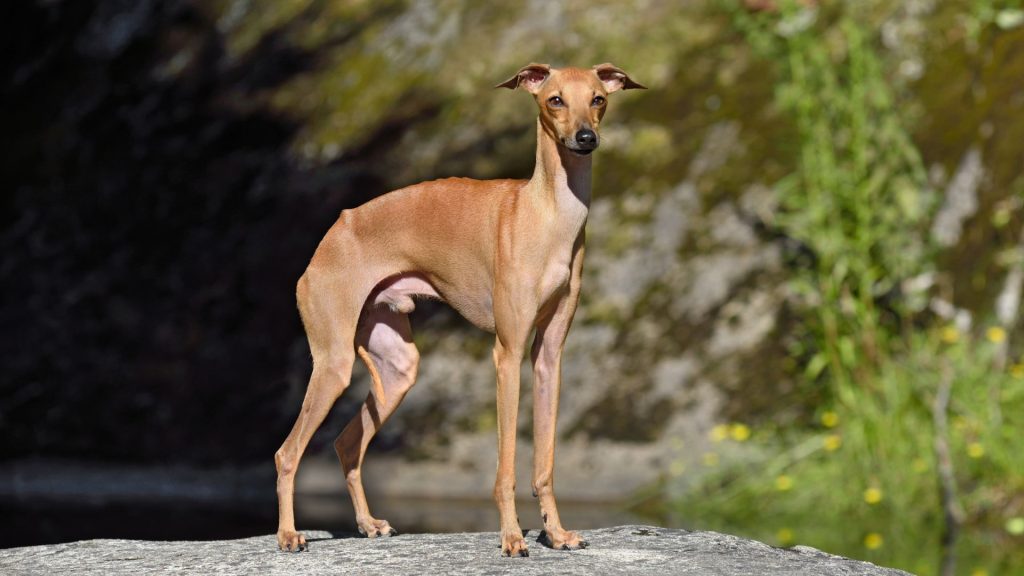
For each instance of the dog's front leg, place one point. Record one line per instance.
(514, 316)
(547, 379)
(507, 360)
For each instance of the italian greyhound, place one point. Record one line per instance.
(506, 254)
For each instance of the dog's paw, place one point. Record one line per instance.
(514, 545)
(291, 541)
(373, 528)
(562, 540)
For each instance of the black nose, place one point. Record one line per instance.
(586, 139)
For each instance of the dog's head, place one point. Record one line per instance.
(572, 101)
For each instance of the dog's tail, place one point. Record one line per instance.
(377, 389)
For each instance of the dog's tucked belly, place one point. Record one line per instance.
(398, 293)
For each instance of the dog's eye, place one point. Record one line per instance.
(556, 102)
(598, 101)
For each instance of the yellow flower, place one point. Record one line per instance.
(950, 335)
(710, 459)
(979, 572)
(719, 433)
(829, 419)
(739, 432)
(784, 536)
(1017, 370)
(920, 465)
(975, 450)
(676, 468)
(873, 541)
(995, 334)
(783, 483)
(832, 442)
(872, 496)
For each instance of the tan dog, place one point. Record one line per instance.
(506, 254)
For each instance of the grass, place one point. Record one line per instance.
(862, 480)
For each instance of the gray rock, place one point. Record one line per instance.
(621, 550)
(961, 200)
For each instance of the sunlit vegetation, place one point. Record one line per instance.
(913, 458)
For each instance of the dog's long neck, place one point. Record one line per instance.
(561, 176)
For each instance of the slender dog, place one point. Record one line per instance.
(506, 254)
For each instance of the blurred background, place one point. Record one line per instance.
(800, 319)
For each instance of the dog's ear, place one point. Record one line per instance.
(615, 79)
(530, 77)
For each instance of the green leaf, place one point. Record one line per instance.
(846, 351)
(816, 365)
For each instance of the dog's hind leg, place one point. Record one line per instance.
(384, 342)
(330, 327)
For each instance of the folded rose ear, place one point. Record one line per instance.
(530, 78)
(615, 79)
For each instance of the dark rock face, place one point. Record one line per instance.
(621, 550)
(151, 224)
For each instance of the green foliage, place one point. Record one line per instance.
(859, 197)
(862, 480)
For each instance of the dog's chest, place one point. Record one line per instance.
(557, 267)
(555, 276)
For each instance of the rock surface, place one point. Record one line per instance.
(621, 550)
